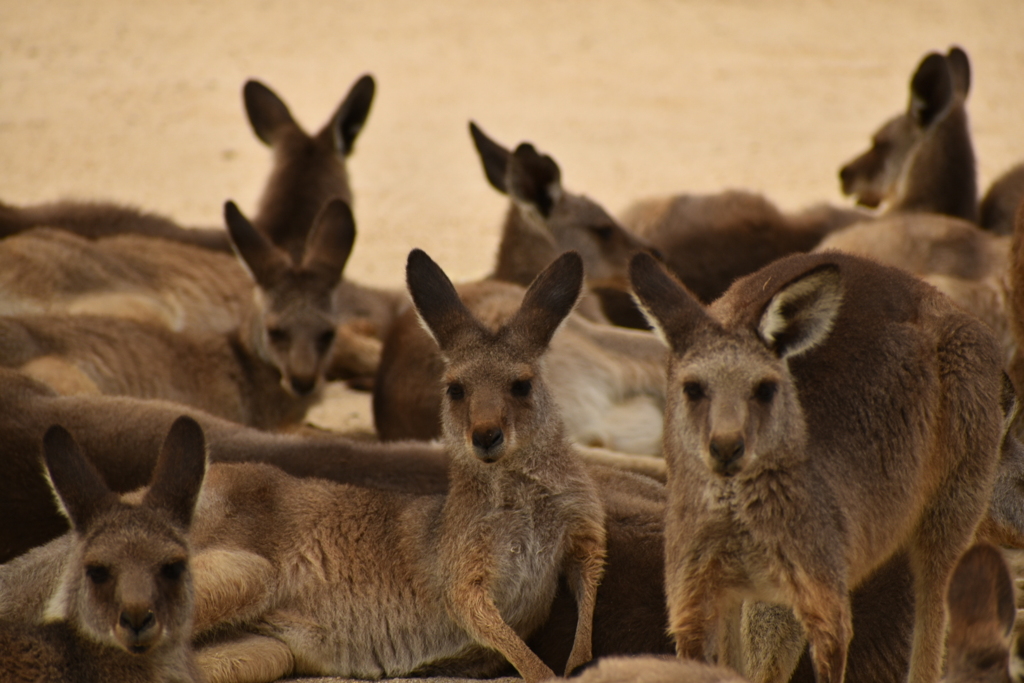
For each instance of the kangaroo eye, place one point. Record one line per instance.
(765, 391)
(97, 573)
(172, 571)
(693, 390)
(602, 232)
(278, 335)
(521, 388)
(456, 391)
(325, 340)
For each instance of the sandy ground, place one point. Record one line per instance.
(139, 102)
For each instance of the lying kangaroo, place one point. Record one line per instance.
(544, 220)
(823, 415)
(308, 172)
(265, 373)
(923, 159)
(327, 579)
(122, 609)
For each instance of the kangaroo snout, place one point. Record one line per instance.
(726, 453)
(487, 441)
(138, 628)
(303, 386)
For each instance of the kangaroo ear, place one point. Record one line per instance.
(329, 243)
(931, 89)
(670, 308)
(493, 156)
(534, 179)
(802, 313)
(80, 491)
(268, 114)
(981, 610)
(551, 297)
(440, 309)
(180, 468)
(960, 68)
(347, 122)
(265, 262)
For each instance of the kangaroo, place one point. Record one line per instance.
(825, 414)
(122, 608)
(265, 373)
(435, 583)
(923, 159)
(709, 240)
(308, 172)
(544, 220)
(999, 205)
(608, 381)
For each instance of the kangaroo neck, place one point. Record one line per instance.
(525, 249)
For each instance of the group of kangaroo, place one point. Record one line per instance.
(710, 441)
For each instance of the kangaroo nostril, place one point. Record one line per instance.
(486, 439)
(303, 386)
(727, 451)
(137, 621)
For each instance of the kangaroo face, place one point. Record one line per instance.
(298, 329)
(133, 584)
(730, 403)
(576, 223)
(874, 176)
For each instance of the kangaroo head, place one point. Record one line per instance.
(981, 616)
(309, 171)
(731, 400)
(292, 322)
(566, 221)
(128, 583)
(940, 83)
(496, 401)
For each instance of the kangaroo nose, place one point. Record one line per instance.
(726, 452)
(303, 386)
(486, 440)
(137, 620)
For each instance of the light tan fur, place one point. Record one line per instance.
(824, 415)
(370, 583)
(121, 605)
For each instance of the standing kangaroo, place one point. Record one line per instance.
(266, 372)
(308, 172)
(823, 415)
(328, 579)
(122, 609)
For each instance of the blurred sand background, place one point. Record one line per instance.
(140, 102)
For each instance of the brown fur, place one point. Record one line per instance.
(265, 374)
(1004, 196)
(708, 241)
(608, 382)
(544, 220)
(122, 606)
(923, 159)
(891, 444)
(367, 583)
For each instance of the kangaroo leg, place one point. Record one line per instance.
(586, 565)
(247, 658)
(693, 595)
(231, 586)
(773, 640)
(475, 610)
(824, 612)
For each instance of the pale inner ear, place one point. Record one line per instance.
(802, 314)
(652, 320)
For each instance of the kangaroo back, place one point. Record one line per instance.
(923, 159)
(122, 609)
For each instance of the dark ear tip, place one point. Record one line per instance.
(525, 149)
(417, 259)
(231, 210)
(187, 426)
(56, 436)
(641, 262)
(366, 81)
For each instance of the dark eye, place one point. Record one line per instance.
(693, 390)
(521, 388)
(602, 232)
(97, 573)
(765, 391)
(277, 335)
(456, 391)
(172, 571)
(325, 340)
